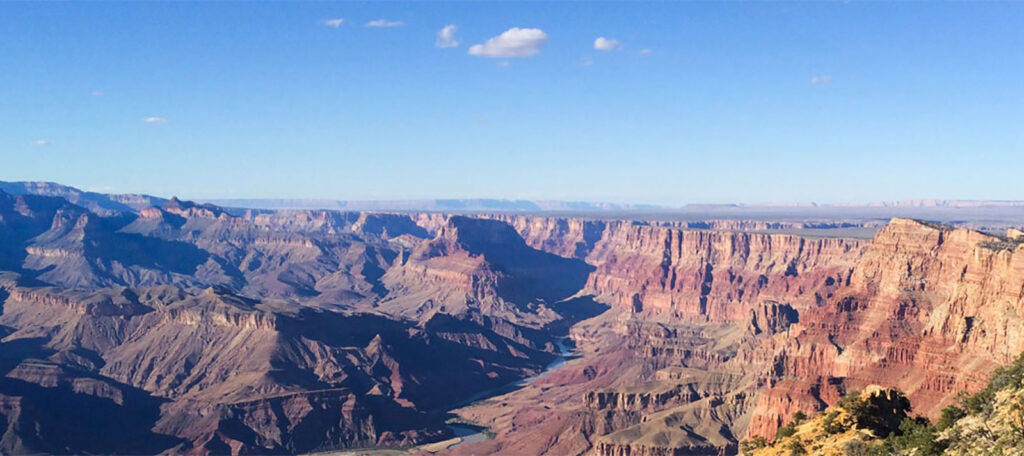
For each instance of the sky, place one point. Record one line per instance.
(663, 102)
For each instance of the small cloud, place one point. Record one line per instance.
(97, 93)
(514, 42)
(645, 51)
(587, 62)
(154, 120)
(446, 37)
(333, 23)
(605, 44)
(384, 23)
(40, 143)
(821, 80)
(502, 63)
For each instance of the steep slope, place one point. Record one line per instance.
(694, 274)
(478, 265)
(100, 203)
(926, 308)
(929, 309)
(224, 362)
(857, 425)
(876, 422)
(675, 367)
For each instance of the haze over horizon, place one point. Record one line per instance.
(660, 103)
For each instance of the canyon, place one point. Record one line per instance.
(137, 324)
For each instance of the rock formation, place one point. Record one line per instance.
(228, 331)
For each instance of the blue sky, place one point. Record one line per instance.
(696, 102)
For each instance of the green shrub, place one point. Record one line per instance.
(1005, 377)
(856, 448)
(829, 424)
(748, 446)
(847, 400)
(799, 417)
(880, 415)
(917, 436)
(796, 448)
(785, 431)
(949, 416)
(1002, 244)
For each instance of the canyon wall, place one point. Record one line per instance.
(794, 322)
(694, 274)
(298, 331)
(929, 309)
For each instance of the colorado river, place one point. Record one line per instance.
(470, 434)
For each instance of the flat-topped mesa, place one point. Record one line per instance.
(479, 235)
(191, 209)
(446, 261)
(567, 237)
(387, 226)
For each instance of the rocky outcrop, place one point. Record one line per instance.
(929, 309)
(642, 399)
(857, 425)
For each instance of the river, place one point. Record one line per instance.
(468, 433)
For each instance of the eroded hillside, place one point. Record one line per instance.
(220, 331)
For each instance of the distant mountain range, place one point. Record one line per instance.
(128, 202)
(431, 205)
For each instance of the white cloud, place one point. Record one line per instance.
(645, 51)
(384, 23)
(336, 22)
(606, 44)
(446, 37)
(154, 120)
(587, 62)
(40, 143)
(821, 80)
(514, 42)
(502, 63)
(97, 93)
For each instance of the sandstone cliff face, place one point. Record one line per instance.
(640, 400)
(929, 309)
(701, 275)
